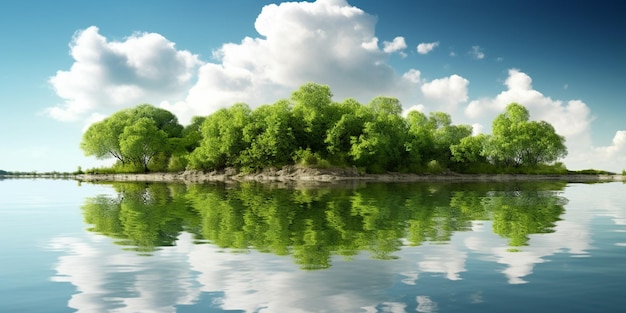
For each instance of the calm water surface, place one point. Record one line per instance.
(522, 247)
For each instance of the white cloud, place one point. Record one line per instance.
(327, 42)
(477, 53)
(371, 45)
(413, 76)
(611, 157)
(619, 144)
(447, 92)
(477, 129)
(417, 107)
(571, 119)
(424, 47)
(109, 75)
(398, 44)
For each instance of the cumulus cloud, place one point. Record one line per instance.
(448, 91)
(426, 47)
(613, 156)
(398, 44)
(477, 128)
(619, 144)
(477, 53)
(112, 74)
(571, 119)
(327, 41)
(417, 107)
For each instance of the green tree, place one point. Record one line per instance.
(269, 137)
(382, 144)
(445, 135)
(192, 133)
(141, 141)
(539, 143)
(163, 119)
(420, 141)
(222, 138)
(313, 113)
(104, 139)
(348, 127)
(516, 141)
(469, 153)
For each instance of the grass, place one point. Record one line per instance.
(592, 172)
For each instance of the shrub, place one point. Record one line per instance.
(308, 158)
(177, 163)
(433, 167)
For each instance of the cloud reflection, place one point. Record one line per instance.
(110, 279)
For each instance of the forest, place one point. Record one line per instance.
(310, 129)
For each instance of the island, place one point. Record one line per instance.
(311, 137)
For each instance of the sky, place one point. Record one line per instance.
(67, 64)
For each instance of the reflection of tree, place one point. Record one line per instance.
(439, 211)
(312, 225)
(145, 216)
(519, 213)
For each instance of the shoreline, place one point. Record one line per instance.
(312, 175)
(298, 175)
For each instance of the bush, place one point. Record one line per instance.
(591, 172)
(177, 163)
(433, 167)
(308, 158)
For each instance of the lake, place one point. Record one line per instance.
(419, 247)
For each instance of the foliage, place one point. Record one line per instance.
(517, 141)
(313, 225)
(269, 137)
(222, 138)
(311, 130)
(141, 141)
(592, 172)
(133, 136)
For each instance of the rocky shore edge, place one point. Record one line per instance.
(293, 174)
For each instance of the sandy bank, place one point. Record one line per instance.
(299, 175)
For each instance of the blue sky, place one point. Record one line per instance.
(66, 64)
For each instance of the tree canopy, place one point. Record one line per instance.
(311, 129)
(516, 141)
(132, 136)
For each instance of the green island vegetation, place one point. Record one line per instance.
(315, 224)
(35, 174)
(309, 129)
